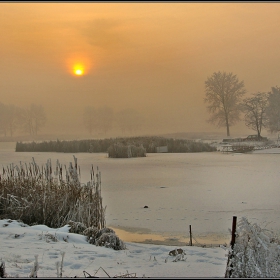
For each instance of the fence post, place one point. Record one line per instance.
(190, 235)
(232, 242)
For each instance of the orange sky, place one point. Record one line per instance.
(153, 57)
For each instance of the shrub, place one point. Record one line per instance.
(109, 239)
(76, 227)
(104, 237)
(91, 234)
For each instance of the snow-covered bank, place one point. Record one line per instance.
(20, 244)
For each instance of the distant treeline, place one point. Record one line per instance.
(102, 145)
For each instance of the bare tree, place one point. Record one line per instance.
(3, 119)
(255, 111)
(105, 117)
(13, 118)
(99, 120)
(129, 119)
(9, 118)
(33, 119)
(273, 110)
(90, 119)
(224, 93)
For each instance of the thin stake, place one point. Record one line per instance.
(190, 235)
(233, 231)
(232, 242)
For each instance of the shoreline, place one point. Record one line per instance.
(146, 236)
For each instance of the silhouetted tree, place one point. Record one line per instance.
(255, 111)
(105, 119)
(33, 119)
(3, 118)
(90, 119)
(129, 119)
(273, 110)
(223, 94)
(9, 118)
(13, 118)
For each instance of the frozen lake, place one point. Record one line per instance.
(204, 190)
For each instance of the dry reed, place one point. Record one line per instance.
(42, 195)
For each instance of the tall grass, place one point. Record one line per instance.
(43, 195)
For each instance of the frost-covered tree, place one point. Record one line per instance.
(255, 108)
(256, 253)
(273, 110)
(223, 94)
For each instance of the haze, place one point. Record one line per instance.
(150, 57)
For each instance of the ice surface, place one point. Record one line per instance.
(203, 190)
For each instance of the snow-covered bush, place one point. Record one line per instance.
(91, 234)
(104, 237)
(76, 227)
(256, 253)
(110, 240)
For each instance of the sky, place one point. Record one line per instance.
(150, 57)
(20, 244)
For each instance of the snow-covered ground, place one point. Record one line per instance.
(20, 244)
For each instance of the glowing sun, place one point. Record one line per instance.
(78, 65)
(78, 70)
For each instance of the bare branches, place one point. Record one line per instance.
(223, 94)
(273, 110)
(33, 119)
(255, 111)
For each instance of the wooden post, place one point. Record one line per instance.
(233, 229)
(232, 242)
(190, 235)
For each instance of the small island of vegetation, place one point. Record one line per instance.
(118, 147)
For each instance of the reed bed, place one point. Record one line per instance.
(150, 145)
(120, 150)
(53, 197)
